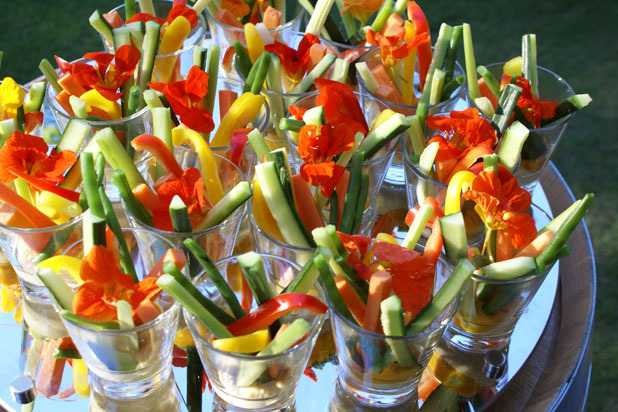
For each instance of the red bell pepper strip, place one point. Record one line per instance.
(273, 309)
(470, 158)
(433, 247)
(48, 187)
(237, 144)
(247, 295)
(159, 150)
(424, 50)
(34, 215)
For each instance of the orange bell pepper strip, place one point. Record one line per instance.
(37, 218)
(469, 159)
(156, 146)
(433, 247)
(351, 299)
(380, 286)
(424, 50)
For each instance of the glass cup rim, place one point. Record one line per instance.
(358, 329)
(277, 29)
(202, 35)
(451, 99)
(560, 80)
(255, 225)
(147, 325)
(59, 110)
(188, 234)
(316, 323)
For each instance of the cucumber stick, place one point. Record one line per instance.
(417, 227)
(251, 371)
(304, 280)
(117, 157)
(179, 293)
(425, 164)
(36, 95)
(512, 143)
(58, 288)
(447, 293)
(252, 266)
(101, 25)
(391, 316)
(509, 269)
(232, 200)
(506, 106)
(94, 232)
(73, 136)
(383, 134)
(290, 225)
(319, 69)
(149, 51)
(90, 323)
(181, 222)
(454, 234)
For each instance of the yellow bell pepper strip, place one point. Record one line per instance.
(273, 309)
(255, 45)
(80, 378)
(251, 343)
(384, 237)
(460, 182)
(92, 98)
(262, 214)
(513, 67)
(171, 42)
(242, 112)
(210, 175)
(408, 66)
(62, 263)
(157, 148)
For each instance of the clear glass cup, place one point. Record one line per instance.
(490, 308)
(217, 241)
(182, 59)
(541, 142)
(457, 100)
(266, 243)
(375, 167)
(248, 160)
(366, 370)
(224, 34)
(130, 362)
(275, 387)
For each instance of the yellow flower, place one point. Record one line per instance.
(11, 97)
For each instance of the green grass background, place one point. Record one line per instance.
(574, 41)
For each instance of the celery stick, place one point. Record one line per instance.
(78, 106)
(90, 184)
(506, 106)
(179, 215)
(437, 84)
(200, 5)
(319, 16)
(36, 96)
(421, 112)
(304, 280)
(252, 266)
(129, 9)
(473, 86)
(232, 200)
(124, 312)
(275, 101)
(437, 60)
(451, 86)
(126, 260)
(528, 65)
(152, 99)
(101, 25)
(383, 13)
(23, 189)
(162, 128)
(179, 293)
(117, 157)
(347, 20)
(417, 227)
(146, 6)
(215, 276)
(340, 74)
(425, 165)
(258, 143)
(50, 74)
(363, 70)
(212, 67)
(416, 135)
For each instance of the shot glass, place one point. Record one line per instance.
(375, 167)
(490, 308)
(456, 100)
(541, 142)
(129, 363)
(172, 66)
(250, 383)
(217, 241)
(367, 371)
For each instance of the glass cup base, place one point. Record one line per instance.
(222, 403)
(384, 397)
(472, 343)
(118, 390)
(343, 401)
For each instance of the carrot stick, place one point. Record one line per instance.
(535, 248)
(305, 204)
(176, 256)
(226, 98)
(146, 196)
(63, 99)
(50, 377)
(113, 19)
(34, 215)
(271, 18)
(225, 16)
(485, 92)
(434, 243)
(70, 85)
(379, 289)
(351, 299)
(247, 296)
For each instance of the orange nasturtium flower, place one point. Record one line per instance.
(28, 154)
(393, 48)
(294, 60)
(105, 284)
(357, 246)
(238, 8)
(318, 146)
(11, 99)
(504, 204)
(532, 106)
(106, 77)
(177, 10)
(190, 188)
(187, 99)
(361, 9)
(412, 274)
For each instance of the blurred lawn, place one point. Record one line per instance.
(573, 40)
